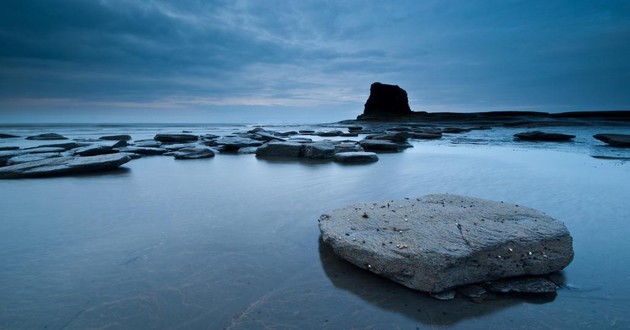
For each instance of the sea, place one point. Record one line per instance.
(232, 242)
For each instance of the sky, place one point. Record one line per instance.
(306, 61)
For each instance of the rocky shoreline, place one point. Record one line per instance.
(348, 142)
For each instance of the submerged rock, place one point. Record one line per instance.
(532, 284)
(543, 136)
(356, 157)
(47, 136)
(438, 242)
(615, 140)
(67, 165)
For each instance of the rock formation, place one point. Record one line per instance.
(439, 242)
(386, 101)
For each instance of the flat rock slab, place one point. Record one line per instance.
(67, 165)
(356, 157)
(47, 136)
(383, 145)
(438, 242)
(175, 138)
(615, 140)
(543, 136)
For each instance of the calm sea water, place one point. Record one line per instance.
(233, 242)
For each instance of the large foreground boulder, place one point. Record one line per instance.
(67, 165)
(438, 242)
(615, 140)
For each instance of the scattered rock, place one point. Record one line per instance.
(542, 136)
(425, 135)
(329, 133)
(345, 146)
(319, 150)
(247, 150)
(7, 136)
(94, 150)
(65, 145)
(121, 137)
(355, 128)
(47, 136)
(455, 130)
(233, 143)
(175, 138)
(383, 145)
(390, 136)
(67, 165)
(615, 140)
(147, 144)
(193, 153)
(533, 284)
(280, 149)
(439, 242)
(8, 154)
(356, 157)
(145, 151)
(5, 148)
(31, 157)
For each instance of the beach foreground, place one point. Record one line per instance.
(162, 243)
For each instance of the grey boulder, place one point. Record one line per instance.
(67, 165)
(439, 242)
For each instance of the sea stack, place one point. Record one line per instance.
(386, 101)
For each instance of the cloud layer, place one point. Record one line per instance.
(191, 55)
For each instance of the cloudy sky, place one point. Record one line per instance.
(243, 61)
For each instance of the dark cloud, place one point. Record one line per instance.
(449, 55)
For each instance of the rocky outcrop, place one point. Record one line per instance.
(47, 136)
(615, 140)
(542, 136)
(438, 242)
(356, 157)
(386, 101)
(67, 165)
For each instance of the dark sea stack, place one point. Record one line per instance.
(386, 101)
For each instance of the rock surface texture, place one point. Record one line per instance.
(438, 242)
(386, 100)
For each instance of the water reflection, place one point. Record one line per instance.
(416, 305)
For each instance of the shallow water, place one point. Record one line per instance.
(232, 241)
